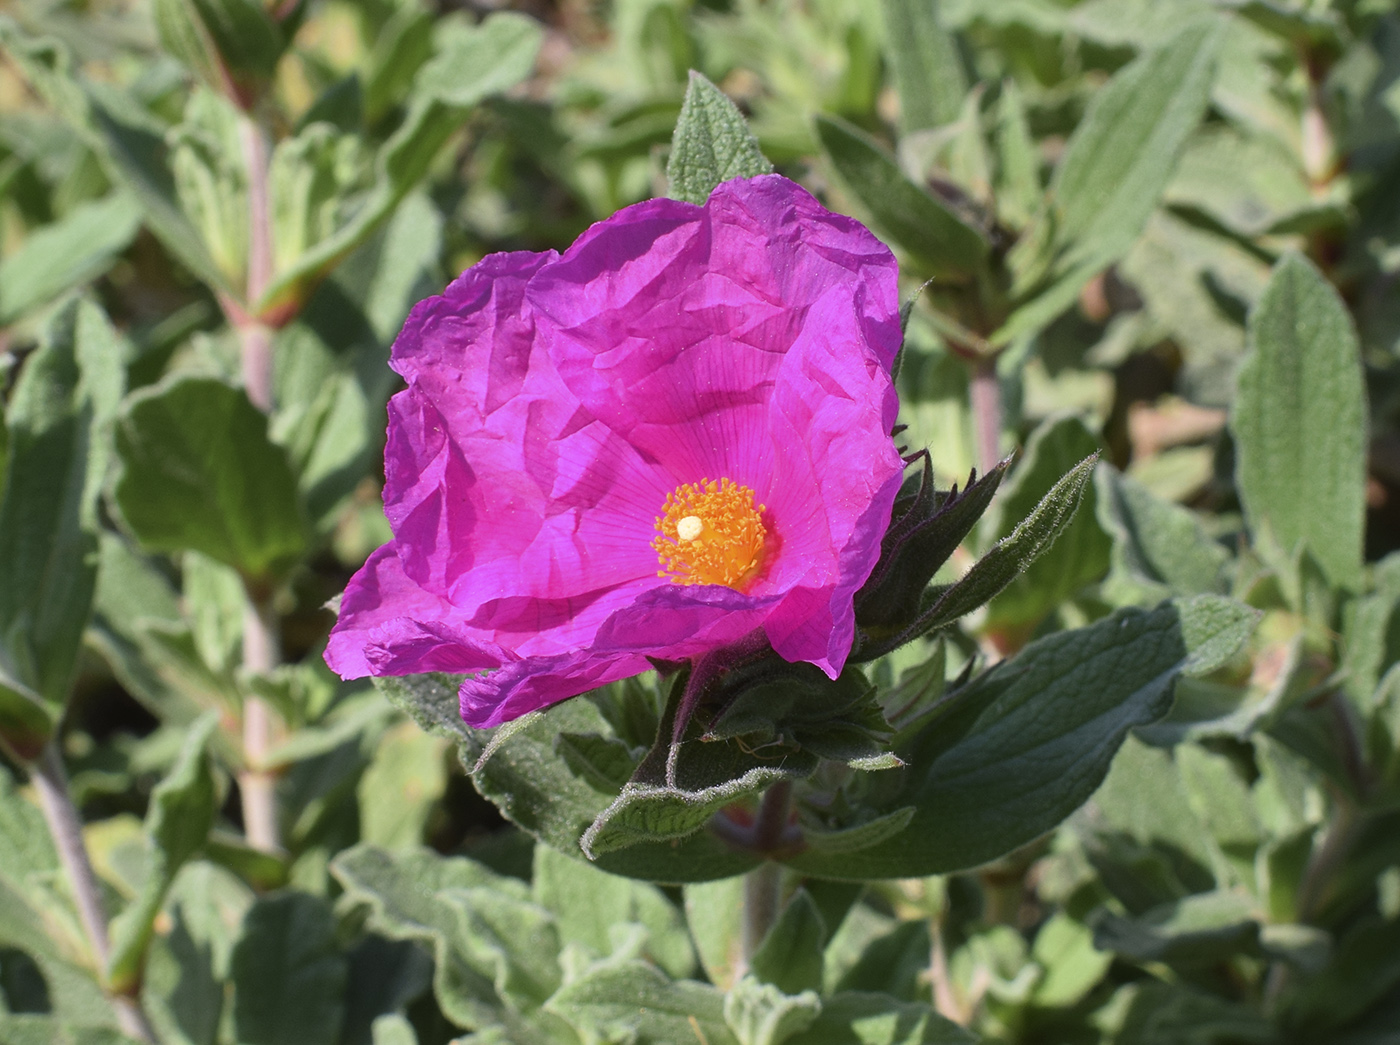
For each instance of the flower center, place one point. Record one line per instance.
(710, 533)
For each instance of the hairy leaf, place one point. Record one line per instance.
(712, 144)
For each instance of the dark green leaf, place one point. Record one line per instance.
(288, 975)
(925, 529)
(1299, 423)
(927, 70)
(533, 785)
(495, 951)
(940, 240)
(712, 144)
(197, 471)
(1020, 747)
(57, 453)
(678, 786)
(1002, 564)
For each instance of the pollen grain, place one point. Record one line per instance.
(710, 533)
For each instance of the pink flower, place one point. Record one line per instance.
(673, 434)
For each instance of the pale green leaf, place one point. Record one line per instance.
(711, 145)
(1299, 422)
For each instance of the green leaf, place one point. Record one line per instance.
(862, 835)
(587, 904)
(1196, 930)
(186, 966)
(861, 1018)
(939, 240)
(471, 63)
(1117, 164)
(1002, 564)
(311, 178)
(1018, 191)
(129, 142)
(1160, 549)
(1365, 967)
(1299, 422)
(288, 975)
(1157, 1014)
(215, 604)
(495, 951)
(927, 70)
(394, 1030)
(77, 248)
(406, 777)
(182, 810)
(1016, 750)
(925, 530)
(790, 956)
(1119, 159)
(232, 45)
(57, 423)
(634, 1002)
(711, 145)
(761, 1014)
(197, 471)
(149, 645)
(668, 800)
(714, 912)
(1224, 803)
(34, 1029)
(1080, 554)
(1073, 966)
(534, 786)
(211, 179)
(430, 700)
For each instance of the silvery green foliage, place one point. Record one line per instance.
(1118, 756)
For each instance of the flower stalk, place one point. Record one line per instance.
(763, 885)
(261, 648)
(257, 783)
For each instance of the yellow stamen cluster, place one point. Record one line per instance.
(710, 533)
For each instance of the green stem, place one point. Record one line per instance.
(257, 783)
(51, 783)
(985, 391)
(763, 885)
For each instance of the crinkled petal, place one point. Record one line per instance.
(389, 625)
(554, 401)
(535, 683)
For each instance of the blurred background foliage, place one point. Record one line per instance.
(214, 217)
